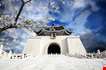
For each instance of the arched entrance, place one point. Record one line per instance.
(54, 48)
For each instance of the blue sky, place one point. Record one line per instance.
(82, 16)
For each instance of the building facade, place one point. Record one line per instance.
(54, 40)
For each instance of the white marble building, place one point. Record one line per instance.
(54, 40)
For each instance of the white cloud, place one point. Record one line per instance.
(79, 3)
(36, 11)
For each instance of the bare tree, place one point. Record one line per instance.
(20, 10)
(9, 23)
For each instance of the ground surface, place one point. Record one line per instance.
(57, 62)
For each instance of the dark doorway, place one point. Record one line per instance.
(54, 48)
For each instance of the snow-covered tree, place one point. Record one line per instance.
(7, 21)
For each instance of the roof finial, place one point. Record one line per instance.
(53, 34)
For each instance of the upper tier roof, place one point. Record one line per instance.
(58, 30)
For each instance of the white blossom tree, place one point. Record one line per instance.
(7, 22)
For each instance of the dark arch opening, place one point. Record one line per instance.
(54, 48)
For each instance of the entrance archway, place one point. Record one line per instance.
(54, 48)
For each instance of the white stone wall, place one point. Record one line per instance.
(75, 46)
(33, 46)
(60, 40)
(68, 44)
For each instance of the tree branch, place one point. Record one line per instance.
(20, 10)
(27, 1)
(7, 27)
(16, 19)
